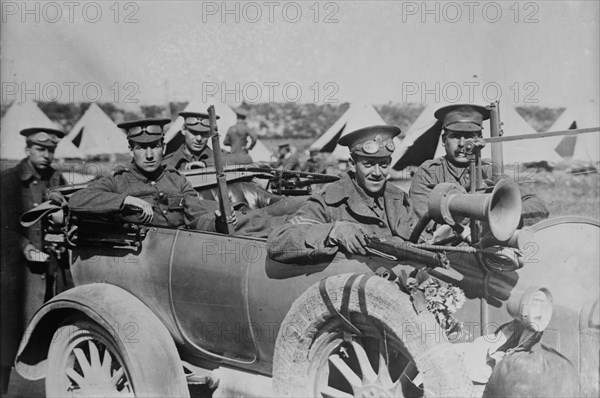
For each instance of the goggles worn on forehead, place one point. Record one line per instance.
(152, 129)
(43, 137)
(194, 120)
(372, 146)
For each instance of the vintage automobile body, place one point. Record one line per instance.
(175, 296)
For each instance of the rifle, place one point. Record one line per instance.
(224, 203)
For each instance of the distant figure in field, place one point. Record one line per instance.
(238, 134)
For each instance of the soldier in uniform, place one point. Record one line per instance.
(345, 212)
(238, 134)
(28, 274)
(160, 193)
(286, 159)
(313, 165)
(194, 152)
(459, 123)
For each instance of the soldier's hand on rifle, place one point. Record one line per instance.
(33, 254)
(145, 207)
(349, 236)
(220, 221)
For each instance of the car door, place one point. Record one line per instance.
(209, 295)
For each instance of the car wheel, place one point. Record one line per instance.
(86, 360)
(396, 354)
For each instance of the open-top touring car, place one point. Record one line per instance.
(157, 309)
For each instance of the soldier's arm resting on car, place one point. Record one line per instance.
(99, 197)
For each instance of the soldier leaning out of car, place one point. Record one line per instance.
(341, 216)
(161, 194)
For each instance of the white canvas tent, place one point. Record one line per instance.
(584, 147)
(357, 116)
(424, 135)
(96, 134)
(227, 118)
(24, 115)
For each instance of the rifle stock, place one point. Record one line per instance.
(224, 203)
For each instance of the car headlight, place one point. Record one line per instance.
(533, 308)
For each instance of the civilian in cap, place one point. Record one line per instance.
(147, 191)
(460, 123)
(238, 134)
(24, 290)
(341, 216)
(194, 152)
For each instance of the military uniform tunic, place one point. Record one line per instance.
(237, 138)
(436, 171)
(23, 291)
(305, 237)
(174, 201)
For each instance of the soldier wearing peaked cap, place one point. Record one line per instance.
(162, 195)
(459, 123)
(29, 276)
(194, 152)
(343, 214)
(237, 136)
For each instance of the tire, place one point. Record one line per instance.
(314, 357)
(84, 359)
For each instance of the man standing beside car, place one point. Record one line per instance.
(160, 193)
(28, 277)
(460, 123)
(341, 216)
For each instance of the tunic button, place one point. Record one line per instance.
(161, 194)
(165, 212)
(153, 183)
(381, 224)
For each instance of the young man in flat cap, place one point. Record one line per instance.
(345, 212)
(194, 152)
(238, 134)
(162, 195)
(460, 123)
(27, 275)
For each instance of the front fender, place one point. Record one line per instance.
(116, 310)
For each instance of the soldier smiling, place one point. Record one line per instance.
(360, 204)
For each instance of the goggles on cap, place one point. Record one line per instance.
(152, 129)
(195, 120)
(43, 137)
(372, 146)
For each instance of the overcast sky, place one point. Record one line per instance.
(542, 52)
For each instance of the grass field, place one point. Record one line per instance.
(569, 194)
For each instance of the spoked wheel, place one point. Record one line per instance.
(388, 351)
(374, 365)
(85, 361)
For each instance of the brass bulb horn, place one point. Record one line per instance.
(501, 209)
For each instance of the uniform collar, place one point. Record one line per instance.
(346, 189)
(456, 171)
(205, 154)
(142, 176)
(27, 171)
